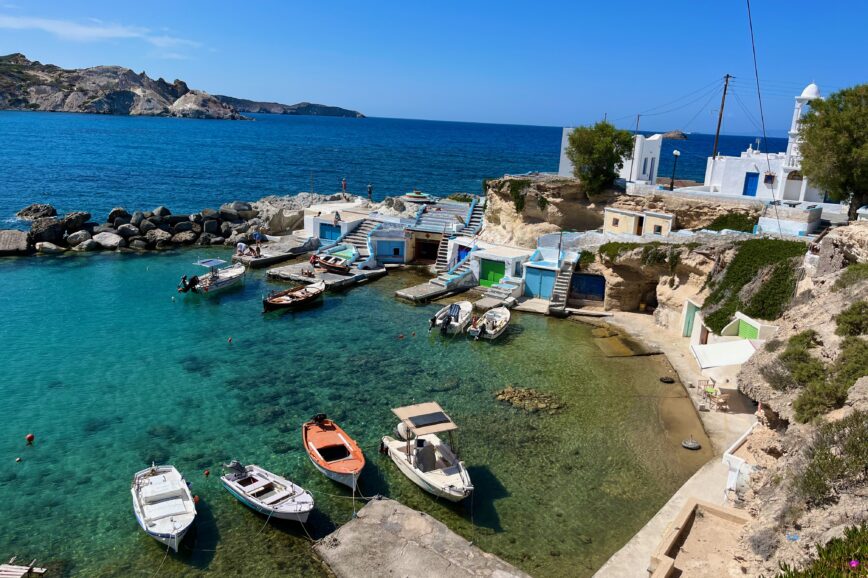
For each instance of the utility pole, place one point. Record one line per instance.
(720, 114)
(633, 152)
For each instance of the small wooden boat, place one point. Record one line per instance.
(453, 318)
(163, 504)
(333, 264)
(423, 457)
(267, 493)
(418, 197)
(294, 298)
(332, 451)
(491, 325)
(217, 277)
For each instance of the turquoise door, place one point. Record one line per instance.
(329, 232)
(751, 180)
(688, 321)
(539, 282)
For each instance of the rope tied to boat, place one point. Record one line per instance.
(166, 555)
(266, 523)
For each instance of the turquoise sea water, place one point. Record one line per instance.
(110, 374)
(94, 163)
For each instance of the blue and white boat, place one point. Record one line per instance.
(163, 504)
(218, 277)
(267, 493)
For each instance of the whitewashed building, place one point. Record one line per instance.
(641, 168)
(776, 176)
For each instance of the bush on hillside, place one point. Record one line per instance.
(517, 188)
(829, 391)
(853, 320)
(835, 558)
(853, 274)
(461, 197)
(837, 459)
(734, 222)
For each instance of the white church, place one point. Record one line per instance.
(641, 168)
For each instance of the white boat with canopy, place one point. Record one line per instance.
(491, 325)
(163, 504)
(453, 318)
(429, 462)
(218, 277)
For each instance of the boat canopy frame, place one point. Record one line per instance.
(425, 418)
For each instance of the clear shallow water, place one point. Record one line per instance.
(110, 374)
(94, 163)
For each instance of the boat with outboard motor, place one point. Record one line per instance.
(294, 298)
(163, 504)
(429, 462)
(218, 277)
(332, 451)
(266, 492)
(453, 318)
(491, 325)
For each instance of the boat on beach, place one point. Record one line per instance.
(491, 325)
(453, 318)
(163, 504)
(422, 456)
(217, 278)
(294, 298)
(333, 264)
(266, 492)
(332, 451)
(419, 197)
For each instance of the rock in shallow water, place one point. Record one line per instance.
(87, 245)
(155, 236)
(48, 230)
(529, 399)
(109, 241)
(127, 231)
(184, 237)
(13, 242)
(49, 248)
(36, 211)
(77, 238)
(75, 221)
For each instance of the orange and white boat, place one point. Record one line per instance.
(332, 450)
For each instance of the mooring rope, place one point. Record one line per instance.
(166, 555)
(265, 524)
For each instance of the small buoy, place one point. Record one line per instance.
(414, 334)
(173, 298)
(400, 336)
(230, 340)
(30, 437)
(195, 499)
(17, 460)
(207, 473)
(667, 379)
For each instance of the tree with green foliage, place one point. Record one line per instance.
(835, 146)
(597, 154)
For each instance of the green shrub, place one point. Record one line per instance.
(585, 259)
(778, 376)
(837, 459)
(853, 320)
(653, 255)
(827, 389)
(835, 557)
(853, 274)
(542, 203)
(734, 222)
(852, 362)
(752, 257)
(461, 197)
(517, 188)
(818, 399)
(611, 251)
(804, 368)
(773, 345)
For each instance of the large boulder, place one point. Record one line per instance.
(184, 238)
(211, 226)
(104, 229)
(137, 218)
(225, 229)
(77, 238)
(139, 244)
(196, 217)
(209, 214)
(147, 225)
(13, 242)
(36, 211)
(175, 219)
(75, 221)
(162, 212)
(206, 239)
(229, 214)
(118, 212)
(127, 231)
(183, 226)
(87, 245)
(155, 236)
(109, 241)
(218, 241)
(120, 221)
(47, 230)
(50, 248)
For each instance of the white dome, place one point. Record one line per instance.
(811, 92)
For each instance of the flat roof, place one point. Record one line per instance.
(425, 418)
(502, 251)
(623, 211)
(668, 216)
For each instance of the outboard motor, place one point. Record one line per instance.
(431, 323)
(402, 433)
(188, 285)
(235, 467)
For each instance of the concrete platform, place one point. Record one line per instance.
(293, 272)
(423, 293)
(533, 306)
(390, 539)
(278, 252)
(487, 303)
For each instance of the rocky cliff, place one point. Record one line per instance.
(302, 108)
(31, 85)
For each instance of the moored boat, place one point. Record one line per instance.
(217, 278)
(333, 264)
(294, 298)
(332, 451)
(266, 492)
(453, 318)
(163, 504)
(422, 456)
(491, 325)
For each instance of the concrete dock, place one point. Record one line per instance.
(389, 539)
(423, 292)
(276, 252)
(295, 272)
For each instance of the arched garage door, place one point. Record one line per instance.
(587, 287)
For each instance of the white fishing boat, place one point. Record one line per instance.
(491, 325)
(163, 504)
(267, 493)
(453, 318)
(217, 278)
(429, 462)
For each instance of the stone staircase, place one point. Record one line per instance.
(506, 288)
(562, 288)
(358, 237)
(470, 229)
(447, 279)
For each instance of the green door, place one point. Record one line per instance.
(746, 330)
(491, 272)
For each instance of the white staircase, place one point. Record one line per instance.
(358, 238)
(562, 287)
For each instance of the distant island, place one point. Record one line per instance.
(31, 85)
(675, 135)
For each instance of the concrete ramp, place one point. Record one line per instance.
(390, 539)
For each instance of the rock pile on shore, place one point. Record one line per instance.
(529, 399)
(140, 230)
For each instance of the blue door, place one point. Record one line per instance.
(329, 232)
(751, 180)
(587, 287)
(462, 252)
(539, 282)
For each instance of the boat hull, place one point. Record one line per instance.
(349, 480)
(395, 449)
(293, 516)
(173, 540)
(268, 306)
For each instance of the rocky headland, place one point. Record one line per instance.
(30, 85)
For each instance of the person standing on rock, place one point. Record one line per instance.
(370, 192)
(344, 185)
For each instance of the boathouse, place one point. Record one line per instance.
(491, 264)
(541, 272)
(390, 244)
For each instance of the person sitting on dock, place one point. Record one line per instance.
(241, 249)
(257, 251)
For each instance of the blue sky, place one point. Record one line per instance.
(547, 63)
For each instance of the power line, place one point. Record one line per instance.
(671, 102)
(702, 108)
